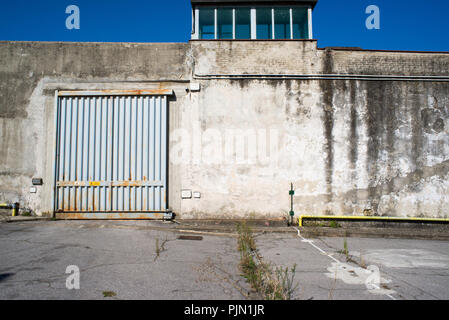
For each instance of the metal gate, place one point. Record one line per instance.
(111, 154)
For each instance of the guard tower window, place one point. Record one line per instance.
(256, 22)
(264, 23)
(207, 23)
(282, 23)
(224, 23)
(242, 23)
(300, 23)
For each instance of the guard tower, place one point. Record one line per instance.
(252, 20)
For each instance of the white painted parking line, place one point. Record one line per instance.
(373, 285)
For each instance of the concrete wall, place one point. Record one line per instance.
(30, 74)
(349, 146)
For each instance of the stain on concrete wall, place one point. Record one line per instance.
(28, 79)
(327, 89)
(350, 146)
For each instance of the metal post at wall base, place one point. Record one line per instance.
(14, 207)
(292, 213)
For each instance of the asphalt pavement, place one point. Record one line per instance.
(156, 261)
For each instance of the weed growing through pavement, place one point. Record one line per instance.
(271, 283)
(109, 294)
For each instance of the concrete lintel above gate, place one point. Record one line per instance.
(140, 92)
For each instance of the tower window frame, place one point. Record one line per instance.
(240, 22)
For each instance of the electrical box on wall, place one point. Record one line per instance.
(186, 194)
(37, 181)
(195, 86)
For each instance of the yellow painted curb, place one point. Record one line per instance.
(367, 218)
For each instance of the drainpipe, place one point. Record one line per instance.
(14, 207)
(320, 77)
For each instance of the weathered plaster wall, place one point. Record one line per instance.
(348, 146)
(30, 73)
(386, 147)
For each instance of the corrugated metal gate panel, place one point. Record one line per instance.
(111, 154)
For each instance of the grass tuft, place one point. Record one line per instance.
(271, 283)
(109, 294)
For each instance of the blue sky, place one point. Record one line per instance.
(405, 24)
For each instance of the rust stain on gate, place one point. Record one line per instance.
(111, 154)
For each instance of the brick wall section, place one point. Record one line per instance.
(303, 57)
(389, 63)
(255, 57)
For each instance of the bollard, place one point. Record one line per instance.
(15, 209)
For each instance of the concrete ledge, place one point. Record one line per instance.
(386, 233)
(356, 219)
(229, 228)
(22, 219)
(392, 232)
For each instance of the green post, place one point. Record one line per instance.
(292, 213)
